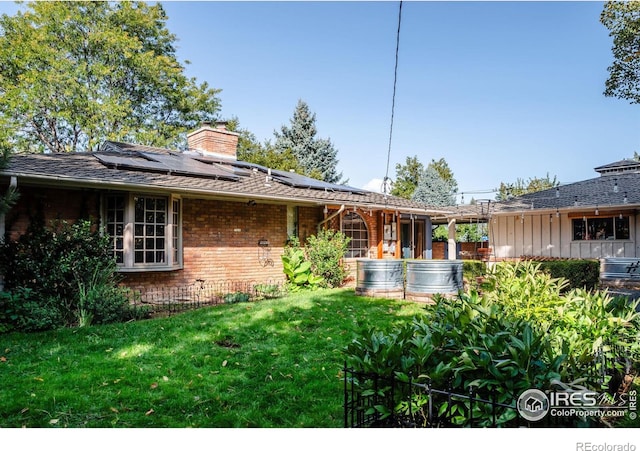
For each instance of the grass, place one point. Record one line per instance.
(271, 364)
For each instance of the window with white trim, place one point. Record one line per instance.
(355, 228)
(145, 230)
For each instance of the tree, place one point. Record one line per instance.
(73, 74)
(252, 151)
(316, 156)
(433, 190)
(444, 171)
(407, 177)
(521, 187)
(11, 195)
(622, 18)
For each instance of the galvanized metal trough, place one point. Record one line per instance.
(620, 272)
(420, 281)
(425, 278)
(380, 278)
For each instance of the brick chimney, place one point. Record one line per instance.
(214, 141)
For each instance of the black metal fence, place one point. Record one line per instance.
(388, 402)
(375, 401)
(175, 299)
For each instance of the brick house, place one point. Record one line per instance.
(178, 216)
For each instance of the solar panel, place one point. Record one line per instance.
(301, 181)
(169, 164)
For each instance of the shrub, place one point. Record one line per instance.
(22, 310)
(326, 252)
(62, 275)
(524, 332)
(461, 344)
(234, 298)
(578, 273)
(100, 299)
(268, 291)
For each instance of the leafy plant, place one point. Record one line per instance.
(269, 291)
(326, 252)
(523, 332)
(298, 269)
(234, 298)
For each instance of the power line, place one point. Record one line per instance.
(393, 99)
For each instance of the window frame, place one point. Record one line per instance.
(172, 237)
(363, 252)
(586, 225)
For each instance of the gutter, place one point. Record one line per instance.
(66, 181)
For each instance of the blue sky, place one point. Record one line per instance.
(500, 90)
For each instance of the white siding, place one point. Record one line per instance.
(545, 235)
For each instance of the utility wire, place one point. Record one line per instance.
(393, 100)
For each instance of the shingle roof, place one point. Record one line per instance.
(614, 190)
(101, 170)
(619, 166)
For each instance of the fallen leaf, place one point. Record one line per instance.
(54, 421)
(39, 379)
(165, 378)
(154, 385)
(224, 363)
(149, 412)
(3, 359)
(113, 409)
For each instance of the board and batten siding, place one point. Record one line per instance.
(546, 235)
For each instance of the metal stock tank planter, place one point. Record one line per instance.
(380, 278)
(428, 277)
(620, 272)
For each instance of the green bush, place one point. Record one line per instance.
(525, 331)
(579, 273)
(326, 252)
(100, 299)
(268, 291)
(234, 298)
(61, 275)
(21, 310)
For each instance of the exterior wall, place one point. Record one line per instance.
(219, 238)
(220, 243)
(50, 205)
(545, 235)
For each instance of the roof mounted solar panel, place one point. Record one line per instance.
(301, 181)
(167, 164)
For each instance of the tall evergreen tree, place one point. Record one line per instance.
(433, 190)
(316, 156)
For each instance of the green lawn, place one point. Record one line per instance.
(274, 363)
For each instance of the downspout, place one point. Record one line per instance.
(330, 217)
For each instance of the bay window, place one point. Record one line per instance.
(145, 230)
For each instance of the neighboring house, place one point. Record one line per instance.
(592, 219)
(177, 217)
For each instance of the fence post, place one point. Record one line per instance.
(346, 398)
(471, 398)
(493, 405)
